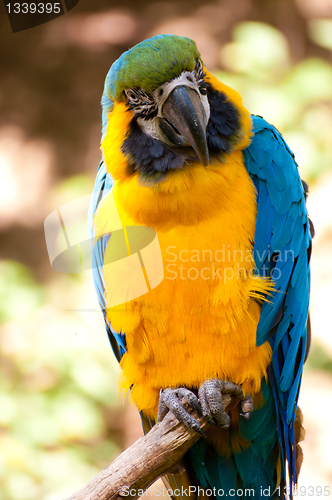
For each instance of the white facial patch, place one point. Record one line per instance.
(160, 95)
(151, 127)
(187, 79)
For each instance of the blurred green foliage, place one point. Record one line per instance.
(319, 359)
(296, 99)
(321, 32)
(17, 287)
(60, 418)
(58, 382)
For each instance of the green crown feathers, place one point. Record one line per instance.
(150, 63)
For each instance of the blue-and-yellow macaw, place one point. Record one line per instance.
(221, 189)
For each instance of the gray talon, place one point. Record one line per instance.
(210, 397)
(247, 406)
(172, 400)
(213, 401)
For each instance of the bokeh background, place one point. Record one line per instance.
(61, 419)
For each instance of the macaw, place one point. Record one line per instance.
(221, 189)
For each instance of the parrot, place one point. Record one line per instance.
(219, 187)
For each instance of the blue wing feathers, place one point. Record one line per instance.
(262, 246)
(222, 472)
(276, 176)
(279, 235)
(282, 228)
(102, 188)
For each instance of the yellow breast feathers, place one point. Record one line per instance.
(201, 321)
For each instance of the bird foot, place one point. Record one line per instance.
(175, 400)
(214, 396)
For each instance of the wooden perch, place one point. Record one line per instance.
(149, 458)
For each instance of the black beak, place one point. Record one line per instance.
(186, 121)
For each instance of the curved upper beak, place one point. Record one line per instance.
(184, 111)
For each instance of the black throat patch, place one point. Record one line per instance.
(223, 129)
(148, 155)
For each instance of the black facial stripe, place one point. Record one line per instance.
(141, 103)
(145, 112)
(150, 156)
(224, 124)
(200, 78)
(199, 73)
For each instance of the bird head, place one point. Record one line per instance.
(162, 111)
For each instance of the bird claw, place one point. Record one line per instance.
(214, 396)
(247, 406)
(213, 400)
(173, 400)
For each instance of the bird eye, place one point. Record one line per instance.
(130, 94)
(203, 90)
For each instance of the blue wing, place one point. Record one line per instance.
(102, 188)
(282, 250)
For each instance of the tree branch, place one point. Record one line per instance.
(149, 458)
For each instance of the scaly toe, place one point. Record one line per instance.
(172, 400)
(210, 397)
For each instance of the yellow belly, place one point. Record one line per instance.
(201, 321)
